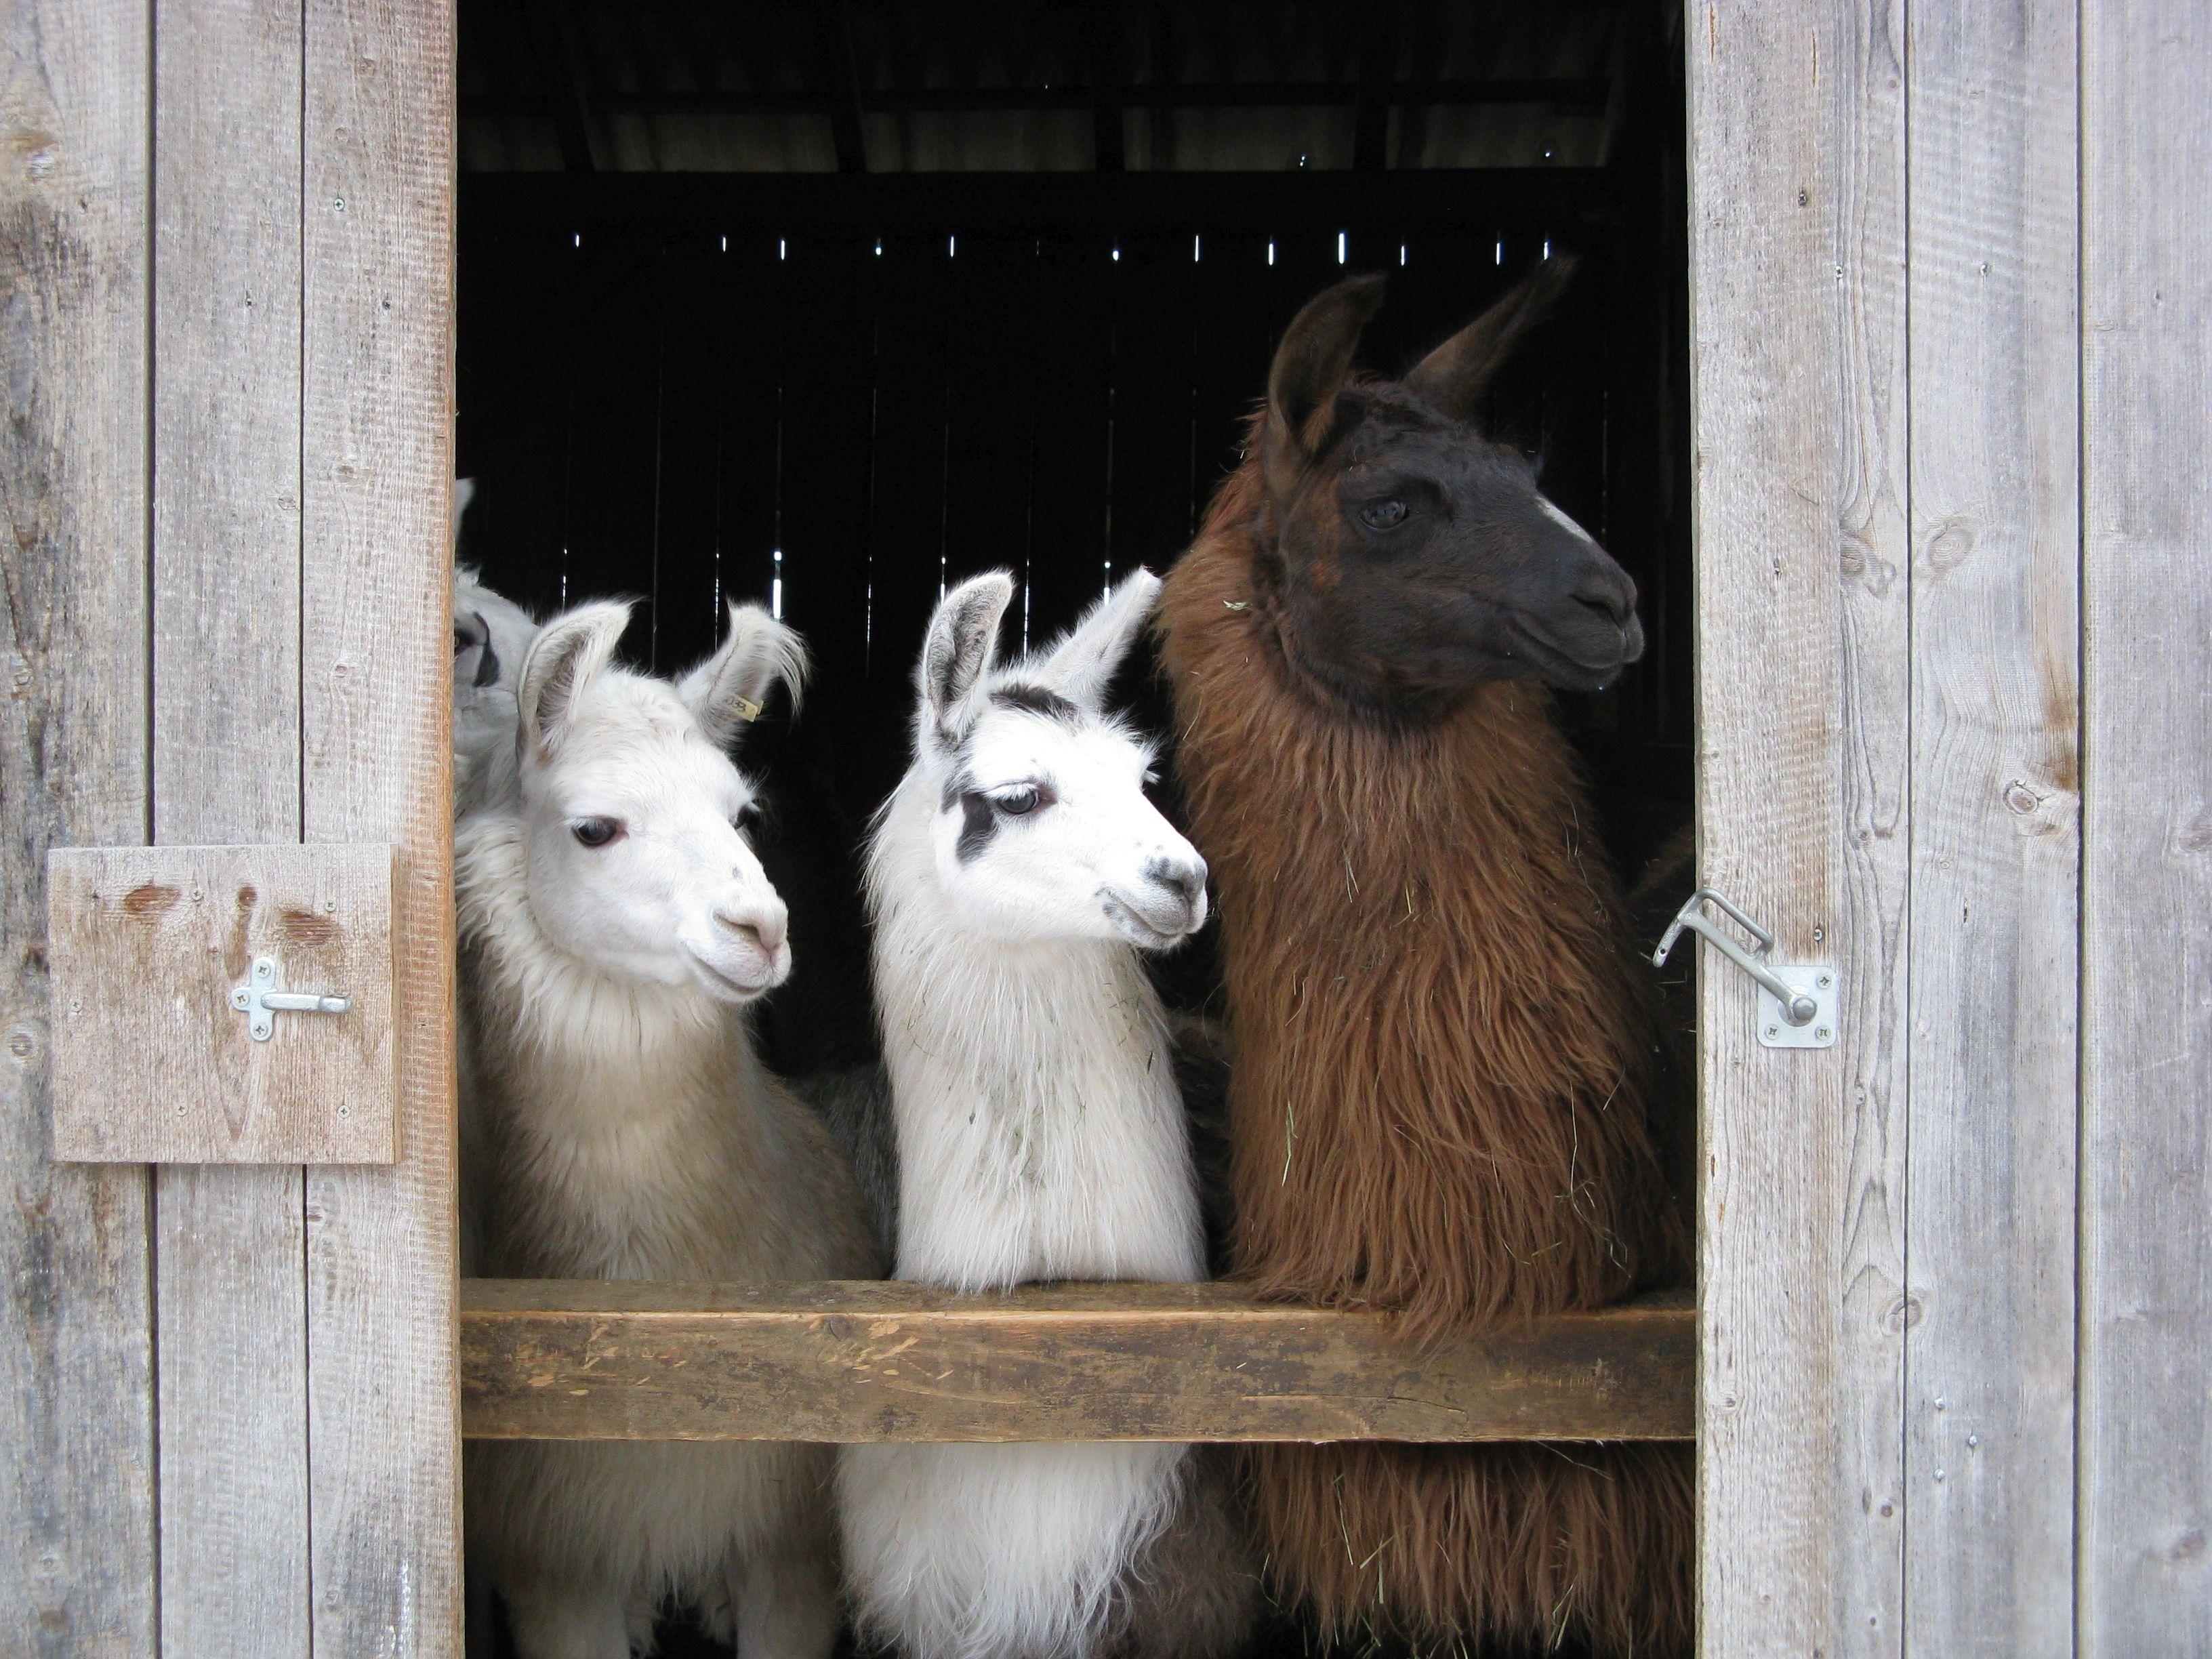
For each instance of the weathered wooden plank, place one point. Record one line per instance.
(230, 1291)
(152, 1063)
(1995, 708)
(1796, 245)
(2145, 1571)
(376, 437)
(565, 1360)
(76, 1503)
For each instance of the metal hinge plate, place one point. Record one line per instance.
(1797, 1002)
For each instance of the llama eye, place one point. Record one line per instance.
(1019, 803)
(595, 832)
(1383, 514)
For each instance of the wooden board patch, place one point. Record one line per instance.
(152, 1064)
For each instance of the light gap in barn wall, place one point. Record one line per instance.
(721, 457)
(1192, 481)
(1029, 479)
(660, 450)
(776, 543)
(944, 462)
(568, 465)
(1106, 528)
(868, 539)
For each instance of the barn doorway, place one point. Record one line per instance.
(829, 306)
(826, 306)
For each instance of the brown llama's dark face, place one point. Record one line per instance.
(1415, 558)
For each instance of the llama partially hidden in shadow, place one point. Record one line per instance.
(1445, 1070)
(616, 1123)
(492, 634)
(1014, 876)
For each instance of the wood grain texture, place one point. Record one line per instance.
(2145, 1491)
(1996, 710)
(849, 1362)
(230, 1292)
(152, 1064)
(1798, 307)
(377, 451)
(77, 1424)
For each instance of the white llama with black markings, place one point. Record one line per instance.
(617, 1124)
(1013, 878)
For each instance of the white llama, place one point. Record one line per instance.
(617, 1124)
(491, 636)
(1013, 876)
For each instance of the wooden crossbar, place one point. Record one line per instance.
(570, 1359)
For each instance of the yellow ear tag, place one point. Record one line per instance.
(745, 708)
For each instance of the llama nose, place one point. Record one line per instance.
(1606, 588)
(762, 929)
(1186, 881)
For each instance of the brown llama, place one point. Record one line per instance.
(1444, 1064)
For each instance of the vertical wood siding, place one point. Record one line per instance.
(230, 1285)
(1962, 1491)
(1988, 1398)
(377, 458)
(2146, 1193)
(76, 1451)
(1797, 319)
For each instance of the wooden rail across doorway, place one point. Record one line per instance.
(575, 1360)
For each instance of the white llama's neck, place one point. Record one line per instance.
(614, 1129)
(1040, 1132)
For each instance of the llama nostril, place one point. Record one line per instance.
(764, 933)
(1611, 594)
(1185, 881)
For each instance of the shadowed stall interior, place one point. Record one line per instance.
(829, 306)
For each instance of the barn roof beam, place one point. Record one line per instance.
(1379, 54)
(1586, 94)
(552, 35)
(841, 73)
(1108, 142)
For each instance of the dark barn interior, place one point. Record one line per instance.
(828, 305)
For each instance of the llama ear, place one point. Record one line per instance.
(1310, 367)
(563, 661)
(1453, 376)
(465, 491)
(963, 640)
(1080, 664)
(728, 690)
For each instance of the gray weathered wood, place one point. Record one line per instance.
(231, 1285)
(377, 438)
(568, 1359)
(77, 1500)
(2146, 1277)
(1796, 245)
(152, 1064)
(1996, 566)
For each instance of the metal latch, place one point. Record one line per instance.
(1796, 1002)
(264, 997)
